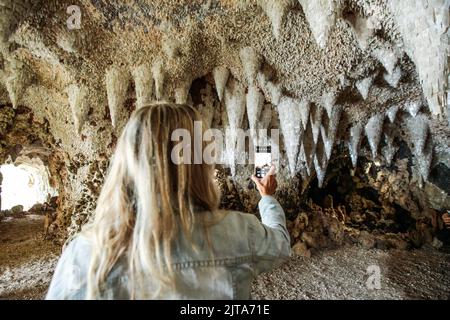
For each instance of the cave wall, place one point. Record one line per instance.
(346, 82)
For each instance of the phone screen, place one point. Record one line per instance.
(263, 160)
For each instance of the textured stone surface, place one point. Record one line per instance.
(418, 274)
(71, 91)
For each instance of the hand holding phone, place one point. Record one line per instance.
(268, 184)
(263, 161)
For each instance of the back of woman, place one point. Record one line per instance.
(157, 232)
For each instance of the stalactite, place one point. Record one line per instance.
(234, 98)
(389, 149)
(424, 162)
(271, 89)
(393, 78)
(321, 16)
(10, 11)
(344, 81)
(264, 122)
(329, 134)
(423, 26)
(143, 82)
(309, 149)
(303, 162)
(15, 88)
(386, 56)
(17, 79)
(208, 105)
(251, 63)
(355, 142)
(230, 155)
(276, 11)
(316, 121)
(391, 113)
(117, 81)
(266, 117)
(235, 103)
(158, 77)
(320, 166)
(374, 129)
(290, 123)
(255, 101)
(304, 106)
(364, 85)
(419, 130)
(413, 107)
(275, 91)
(363, 29)
(328, 101)
(220, 75)
(77, 97)
(26, 36)
(182, 91)
(423, 149)
(67, 41)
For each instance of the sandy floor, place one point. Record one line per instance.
(26, 260)
(27, 263)
(344, 274)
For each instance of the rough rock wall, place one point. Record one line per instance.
(340, 79)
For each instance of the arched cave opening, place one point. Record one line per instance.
(25, 185)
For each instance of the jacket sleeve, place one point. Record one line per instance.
(269, 240)
(69, 278)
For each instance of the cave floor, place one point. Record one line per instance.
(27, 260)
(343, 274)
(27, 263)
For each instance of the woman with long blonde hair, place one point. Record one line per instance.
(157, 232)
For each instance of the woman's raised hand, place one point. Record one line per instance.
(267, 185)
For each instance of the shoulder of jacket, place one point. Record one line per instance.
(79, 245)
(240, 217)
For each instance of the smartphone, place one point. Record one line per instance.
(263, 161)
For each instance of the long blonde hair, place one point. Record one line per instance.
(146, 200)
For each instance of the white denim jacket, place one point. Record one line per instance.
(243, 247)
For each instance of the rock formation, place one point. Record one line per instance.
(349, 82)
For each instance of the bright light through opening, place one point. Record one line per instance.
(24, 185)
